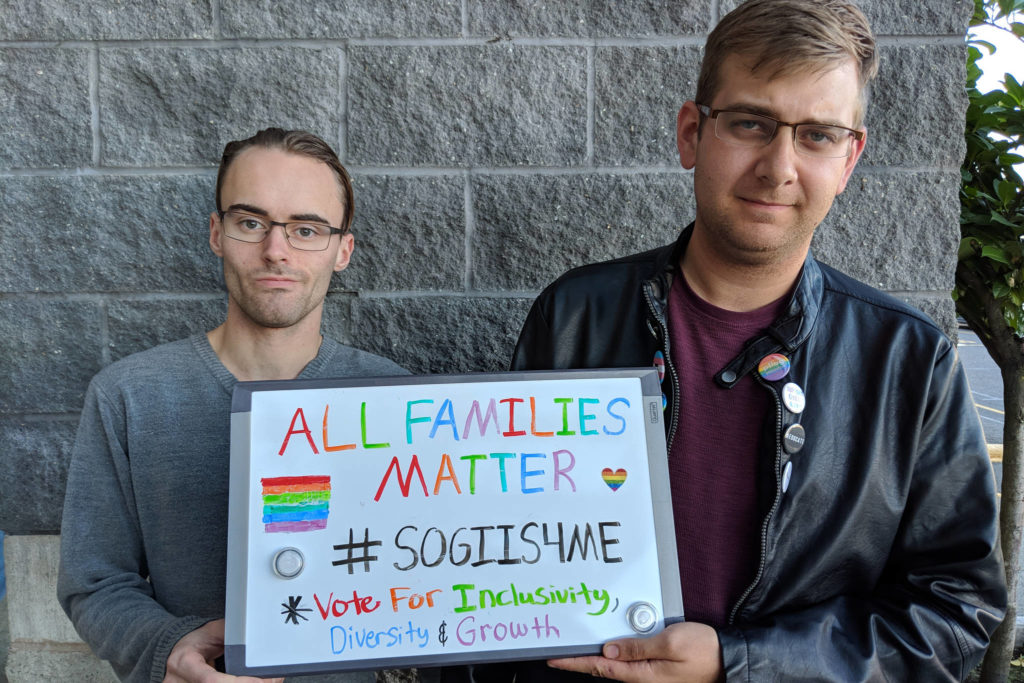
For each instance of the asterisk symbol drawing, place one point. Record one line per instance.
(292, 609)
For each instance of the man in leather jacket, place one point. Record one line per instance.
(834, 504)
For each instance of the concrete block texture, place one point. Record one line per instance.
(45, 107)
(637, 93)
(440, 334)
(331, 19)
(919, 91)
(409, 234)
(932, 17)
(586, 18)
(107, 233)
(494, 105)
(52, 348)
(35, 614)
(105, 19)
(179, 106)
(531, 229)
(137, 325)
(48, 662)
(889, 231)
(33, 473)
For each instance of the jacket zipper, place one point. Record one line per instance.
(775, 504)
(668, 364)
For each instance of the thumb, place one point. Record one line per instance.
(628, 649)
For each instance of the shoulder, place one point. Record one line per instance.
(598, 280)
(347, 361)
(844, 295)
(160, 363)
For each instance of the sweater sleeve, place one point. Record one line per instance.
(103, 581)
(942, 592)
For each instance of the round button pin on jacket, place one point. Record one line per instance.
(773, 367)
(793, 398)
(793, 438)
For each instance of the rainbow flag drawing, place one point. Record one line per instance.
(293, 504)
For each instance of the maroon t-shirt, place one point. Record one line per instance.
(713, 458)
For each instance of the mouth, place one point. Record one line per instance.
(766, 204)
(275, 281)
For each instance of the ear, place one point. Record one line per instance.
(216, 236)
(687, 134)
(851, 161)
(345, 247)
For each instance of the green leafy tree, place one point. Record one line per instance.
(989, 290)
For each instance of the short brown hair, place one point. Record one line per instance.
(298, 142)
(789, 36)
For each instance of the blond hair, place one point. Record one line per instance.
(782, 37)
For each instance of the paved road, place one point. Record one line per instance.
(986, 384)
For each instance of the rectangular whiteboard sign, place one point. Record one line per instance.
(421, 521)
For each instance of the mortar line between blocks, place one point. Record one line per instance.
(215, 18)
(589, 158)
(105, 331)
(465, 18)
(467, 277)
(343, 105)
(94, 104)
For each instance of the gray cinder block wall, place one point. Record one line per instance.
(493, 144)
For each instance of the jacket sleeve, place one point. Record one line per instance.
(942, 592)
(102, 583)
(534, 348)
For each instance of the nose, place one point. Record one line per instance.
(275, 246)
(777, 162)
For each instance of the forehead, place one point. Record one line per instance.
(278, 181)
(825, 94)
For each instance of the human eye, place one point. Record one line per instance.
(246, 223)
(820, 137)
(749, 126)
(308, 232)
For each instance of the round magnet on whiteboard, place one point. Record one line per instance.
(642, 617)
(773, 367)
(787, 474)
(288, 563)
(793, 397)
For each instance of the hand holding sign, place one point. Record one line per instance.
(191, 659)
(682, 652)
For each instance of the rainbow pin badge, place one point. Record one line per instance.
(773, 367)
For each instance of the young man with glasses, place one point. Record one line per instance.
(833, 500)
(144, 534)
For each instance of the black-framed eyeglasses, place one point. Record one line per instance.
(304, 235)
(754, 130)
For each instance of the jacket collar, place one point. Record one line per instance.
(786, 334)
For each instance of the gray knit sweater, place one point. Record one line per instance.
(144, 533)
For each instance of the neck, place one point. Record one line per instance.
(732, 285)
(252, 352)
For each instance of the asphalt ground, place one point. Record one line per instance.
(986, 384)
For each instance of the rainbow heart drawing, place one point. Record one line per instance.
(613, 479)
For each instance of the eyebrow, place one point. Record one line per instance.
(249, 208)
(762, 111)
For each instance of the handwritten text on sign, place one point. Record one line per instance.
(447, 518)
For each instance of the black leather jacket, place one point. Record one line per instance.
(880, 560)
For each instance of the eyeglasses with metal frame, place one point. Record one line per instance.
(744, 129)
(303, 235)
